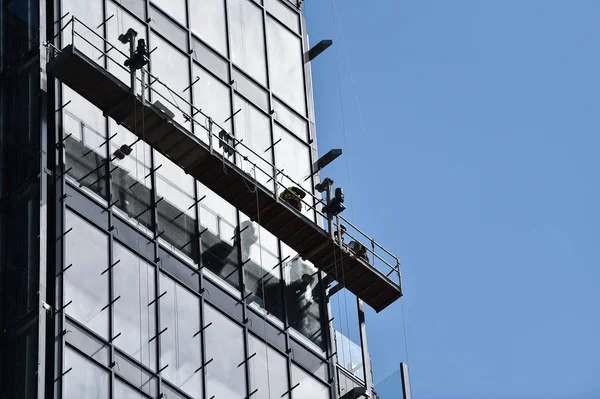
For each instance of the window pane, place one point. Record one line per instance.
(87, 250)
(262, 271)
(86, 343)
(286, 65)
(290, 120)
(253, 127)
(309, 387)
(292, 156)
(268, 371)
(247, 40)
(90, 14)
(219, 252)
(180, 349)
(175, 8)
(85, 380)
(122, 391)
(131, 183)
(209, 60)
(177, 189)
(171, 67)
(284, 14)
(303, 297)
(250, 90)
(225, 345)
(134, 319)
(212, 97)
(85, 155)
(135, 375)
(208, 22)
(166, 27)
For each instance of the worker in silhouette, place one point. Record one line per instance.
(341, 233)
(359, 249)
(336, 205)
(293, 196)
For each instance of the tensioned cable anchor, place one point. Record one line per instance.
(149, 207)
(63, 374)
(62, 106)
(157, 298)
(202, 329)
(145, 177)
(64, 270)
(204, 365)
(64, 234)
(190, 207)
(111, 302)
(100, 145)
(156, 336)
(110, 267)
(246, 360)
(63, 308)
(273, 145)
(62, 140)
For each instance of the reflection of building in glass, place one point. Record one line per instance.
(124, 274)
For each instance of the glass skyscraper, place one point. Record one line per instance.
(125, 273)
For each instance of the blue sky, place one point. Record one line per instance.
(484, 121)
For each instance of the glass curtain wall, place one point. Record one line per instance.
(175, 281)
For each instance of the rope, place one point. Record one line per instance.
(371, 161)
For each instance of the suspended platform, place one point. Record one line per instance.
(206, 165)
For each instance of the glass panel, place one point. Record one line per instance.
(286, 65)
(123, 391)
(138, 7)
(169, 29)
(309, 387)
(87, 250)
(86, 343)
(117, 25)
(177, 189)
(247, 40)
(134, 318)
(284, 14)
(219, 252)
(135, 375)
(303, 297)
(203, 55)
(212, 97)
(172, 69)
(225, 345)
(262, 272)
(268, 371)
(349, 355)
(250, 90)
(85, 153)
(293, 158)
(85, 380)
(290, 120)
(254, 128)
(131, 181)
(90, 13)
(180, 346)
(175, 8)
(208, 22)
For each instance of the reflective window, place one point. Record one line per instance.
(262, 272)
(171, 67)
(287, 118)
(85, 285)
(84, 380)
(250, 90)
(254, 128)
(86, 343)
(284, 14)
(286, 65)
(169, 29)
(175, 8)
(85, 145)
(210, 60)
(123, 391)
(90, 13)
(268, 371)
(246, 37)
(134, 316)
(297, 167)
(117, 25)
(225, 345)
(135, 375)
(218, 220)
(176, 212)
(131, 181)
(180, 345)
(303, 297)
(308, 386)
(208, 22)
(135, 6)
(212, 97)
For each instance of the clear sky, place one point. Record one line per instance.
(484, 122)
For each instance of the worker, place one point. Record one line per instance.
(342, 230)
(293, 196)
(359, 249)
(336, 205)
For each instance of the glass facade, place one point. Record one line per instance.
(157, 287)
